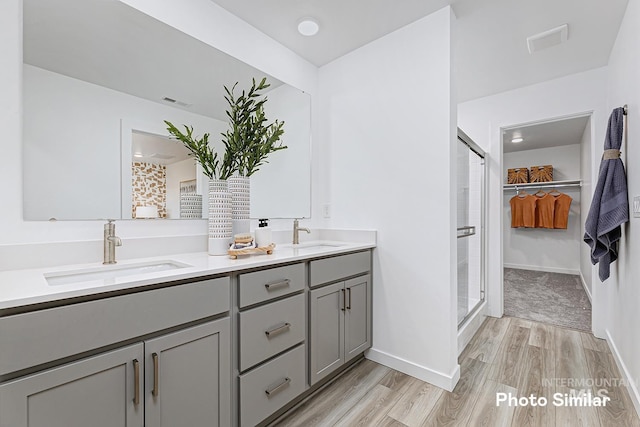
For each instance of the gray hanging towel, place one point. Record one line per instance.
(610, 204)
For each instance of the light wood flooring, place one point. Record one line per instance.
(506, 355)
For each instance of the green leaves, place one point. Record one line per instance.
(199, 148)
(249, 139)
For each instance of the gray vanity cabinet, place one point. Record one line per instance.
(181, 378)
(151, 377)
(187, 377)
(99, 391)
(340, 324)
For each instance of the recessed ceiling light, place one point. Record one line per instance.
(516, 140)
(137, 155)
(308, 27)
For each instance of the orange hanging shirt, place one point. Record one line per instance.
(561, 210)
(544, 211)
(523, 210)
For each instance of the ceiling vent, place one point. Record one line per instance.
(548, 38)
(173, 101)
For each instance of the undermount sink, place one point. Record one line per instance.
(314, 246)
(110, 272)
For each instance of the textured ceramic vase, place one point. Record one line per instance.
(220, 225)
(240, 189)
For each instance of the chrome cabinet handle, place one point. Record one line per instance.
(277, 330)
(349, 305)
(136, 376)
(344, 300)
(274, 285)
(272, 391)
(156, 379)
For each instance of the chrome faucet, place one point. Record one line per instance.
(296, 230)
(110, 242)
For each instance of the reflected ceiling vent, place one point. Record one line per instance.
(175, 102)
(548, 38)
(161, 156)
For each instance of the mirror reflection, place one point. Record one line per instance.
(163, 179)
(93, 69)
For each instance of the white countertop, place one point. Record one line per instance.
(29, 286)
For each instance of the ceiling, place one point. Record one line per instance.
(491, 53)
(150, 148)
(113, 45)
(545, 135)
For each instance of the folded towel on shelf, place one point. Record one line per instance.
(610, 204)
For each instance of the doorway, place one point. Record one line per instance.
(546, 278)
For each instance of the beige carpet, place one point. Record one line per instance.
(558, 299)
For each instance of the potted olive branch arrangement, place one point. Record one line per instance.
(250, 139)
(248, 142)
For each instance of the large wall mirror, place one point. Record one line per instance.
(99, 79)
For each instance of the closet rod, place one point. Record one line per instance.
(539, 185)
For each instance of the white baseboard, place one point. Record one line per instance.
(632, 387)
(586, 288)
(447, 382)
(545, 269)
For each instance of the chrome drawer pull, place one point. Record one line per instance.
(156, 380)
(274, 285)
(270, 392)
(136, 379)
(277, 330)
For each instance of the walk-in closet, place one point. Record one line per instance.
(547, 275)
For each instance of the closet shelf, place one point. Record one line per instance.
(550, 184)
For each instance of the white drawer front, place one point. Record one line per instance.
(272, 283)
(271, 329)
(271, 386)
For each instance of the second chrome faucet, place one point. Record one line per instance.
(296, 231)
(110, 242)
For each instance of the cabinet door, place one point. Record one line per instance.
(357, 324)
(97, 392)
(187, 377)
(327, 330)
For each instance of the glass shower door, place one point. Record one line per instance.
(470, 227)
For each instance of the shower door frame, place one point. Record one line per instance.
(475, 148)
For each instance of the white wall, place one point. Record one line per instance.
(541, 249)
(622, 291)
(72, 135)
(388, 125)
(220, 29)
(586, 191)
(482, 119)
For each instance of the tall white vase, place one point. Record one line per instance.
(220, 225)
(240, 189)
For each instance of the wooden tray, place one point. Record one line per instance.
(234, 253)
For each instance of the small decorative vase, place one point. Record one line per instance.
(220, 226)
(240, 189)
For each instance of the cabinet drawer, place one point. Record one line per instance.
(268, 284)
(270, 329)
(37, 337)
(337, 268)
(271, 386)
